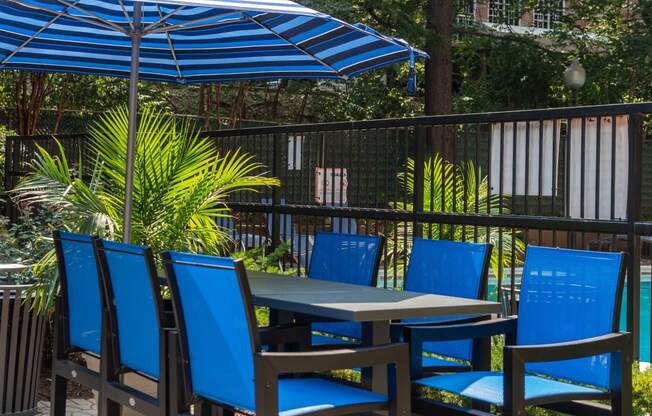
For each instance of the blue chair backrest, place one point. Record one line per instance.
(216, 324)
(448, 268)
(80, 283)
(345, 258)
(132, 289)
(567, 295)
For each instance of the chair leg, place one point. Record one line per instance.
(621, 398)
(58, 396)
(203, 408)
(108, 407)
(225, 412)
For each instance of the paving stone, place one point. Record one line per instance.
(74, 407)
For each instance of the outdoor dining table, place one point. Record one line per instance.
(373, 307)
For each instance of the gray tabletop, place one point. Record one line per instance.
(356, 303)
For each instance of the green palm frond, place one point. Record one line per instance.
(452, 188)
(182, 182)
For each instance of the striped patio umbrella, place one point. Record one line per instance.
(188, 41)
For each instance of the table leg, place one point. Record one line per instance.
(375, 333)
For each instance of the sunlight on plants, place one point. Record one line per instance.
(182, 183)
(451, 188)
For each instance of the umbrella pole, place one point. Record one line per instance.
(133, 121)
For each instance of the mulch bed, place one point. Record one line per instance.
(75, 391)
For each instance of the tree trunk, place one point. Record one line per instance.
(31, 90)
(239, 102)
(439, 73)
(61, 104)
(218, 105)
(209, 107)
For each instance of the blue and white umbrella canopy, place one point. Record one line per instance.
(189, 41)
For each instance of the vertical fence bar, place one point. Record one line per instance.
(635, 128)
(419, 159)
(276, 197)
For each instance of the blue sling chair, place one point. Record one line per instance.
(449, 268)
(344, 258)
(138, 340)
(225, 368)
(78, 317)
(562, 351)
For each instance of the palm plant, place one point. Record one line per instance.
(181, 184)
(461, 189)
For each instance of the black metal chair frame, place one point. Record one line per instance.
(170, 397)
(270, 366)
(63, 368)
(618, 344)
(481, 346)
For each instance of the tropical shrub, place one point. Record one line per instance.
(460, 188)
(25, 241)
(181, 184)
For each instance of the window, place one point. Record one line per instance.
(466, 11)
(547, 13)
(502, 11)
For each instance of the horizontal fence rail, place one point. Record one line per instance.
(565, 177)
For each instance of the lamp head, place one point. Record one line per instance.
(575, 75)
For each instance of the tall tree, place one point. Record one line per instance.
(439, 71)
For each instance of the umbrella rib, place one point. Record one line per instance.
(93, 15)
(124, 11)
(321, 61)
(78, 18)
(162, 19)
(181, 26)
(172, 52)
(38, 32)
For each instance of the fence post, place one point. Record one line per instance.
(7, 207)
(633, 239)
(419, 159)
(276, 197)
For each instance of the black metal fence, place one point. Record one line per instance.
(568, 177)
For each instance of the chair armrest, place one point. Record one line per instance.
(285, 334)
(516, 356)
(397, 327)
(315, 361)
(415, 336)
(269, 365)
(614, 342)
(472, 330)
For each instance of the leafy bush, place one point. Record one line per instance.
(255, 259)
(26, 241)
(642, 391)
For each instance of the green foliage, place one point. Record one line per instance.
(613, 40)
(181, 184)
(255, 259)
(26, 241)
(446, 187)
(501, 74)
(642, 391)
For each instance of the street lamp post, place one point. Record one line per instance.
(575, 77)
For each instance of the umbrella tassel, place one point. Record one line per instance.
(412, 77)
